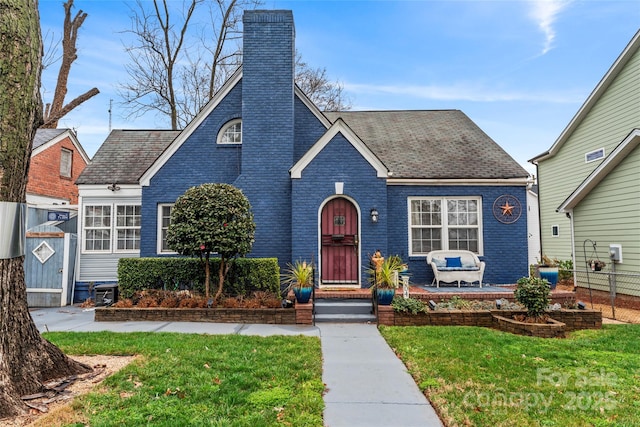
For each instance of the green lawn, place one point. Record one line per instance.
(203, 380)
(483, 377)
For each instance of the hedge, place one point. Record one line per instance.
(245, 276)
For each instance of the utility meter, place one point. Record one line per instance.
(615, 252)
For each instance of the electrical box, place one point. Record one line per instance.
(615, 252)
(106, 294)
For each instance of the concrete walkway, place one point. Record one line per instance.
(367, 384)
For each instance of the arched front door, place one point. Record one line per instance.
(339, 257)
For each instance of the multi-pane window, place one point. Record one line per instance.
(231, 133)
(444, 223)
(111, 229)
(164, 219)
(66, 158)
(128, 227)
(97, 228)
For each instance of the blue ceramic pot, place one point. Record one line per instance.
(385, 296)
(550, 274)
(302, 294)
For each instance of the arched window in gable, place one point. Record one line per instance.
(231, 132)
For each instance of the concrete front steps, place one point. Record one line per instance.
(344, 310)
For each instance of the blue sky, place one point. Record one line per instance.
(518, 69)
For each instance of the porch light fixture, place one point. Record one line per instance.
(374, 215)
(113, 187)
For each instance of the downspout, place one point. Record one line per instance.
(539, 209)
(569, 215)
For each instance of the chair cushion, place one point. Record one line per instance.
(440, 263)
(453, 262)
(467, 263)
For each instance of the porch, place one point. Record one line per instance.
(425, 292)
(356, 305)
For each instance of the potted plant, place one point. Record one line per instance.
(595, 264)
(299, 277)
(384, 276)
(548, 270)
(533, 294)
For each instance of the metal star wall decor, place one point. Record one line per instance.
(507, 209)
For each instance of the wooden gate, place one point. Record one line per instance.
(339, 254)
(49, 266)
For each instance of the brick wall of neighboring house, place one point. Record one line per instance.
(44, 173)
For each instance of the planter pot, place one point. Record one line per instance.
(302, 294)
(550, 274)
(385, 296)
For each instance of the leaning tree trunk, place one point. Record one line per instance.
(26, 359)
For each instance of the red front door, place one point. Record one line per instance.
(339, 225)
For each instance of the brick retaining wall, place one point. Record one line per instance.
(573, 319)
(218, 315)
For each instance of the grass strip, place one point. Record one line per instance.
(482, 377)
(202, 380)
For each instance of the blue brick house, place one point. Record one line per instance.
(331, 187)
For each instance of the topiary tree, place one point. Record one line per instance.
(212, 218)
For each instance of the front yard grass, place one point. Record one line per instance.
(483, 377)
(205, 380)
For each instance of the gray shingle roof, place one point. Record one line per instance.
(45, 135)
(433, 144)
(125, 155)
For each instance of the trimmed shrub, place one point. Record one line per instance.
(534, 294)
(246, 275)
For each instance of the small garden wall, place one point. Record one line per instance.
(573, 319)
(217, 315)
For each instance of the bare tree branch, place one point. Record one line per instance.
(54, 118)
(55, 110)
(177, 65)
(327, 95)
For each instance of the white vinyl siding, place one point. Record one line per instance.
(444, 223)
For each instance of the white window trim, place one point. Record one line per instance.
(124, 227)
(85, 229)
(555, 227)
(599, 150)
(113, 229)
(224, 128)
(444, 226)
(159, 231)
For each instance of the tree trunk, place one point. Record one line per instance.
(207, 276)
(26, 359)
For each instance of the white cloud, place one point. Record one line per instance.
(544, 13)
(463, 92)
